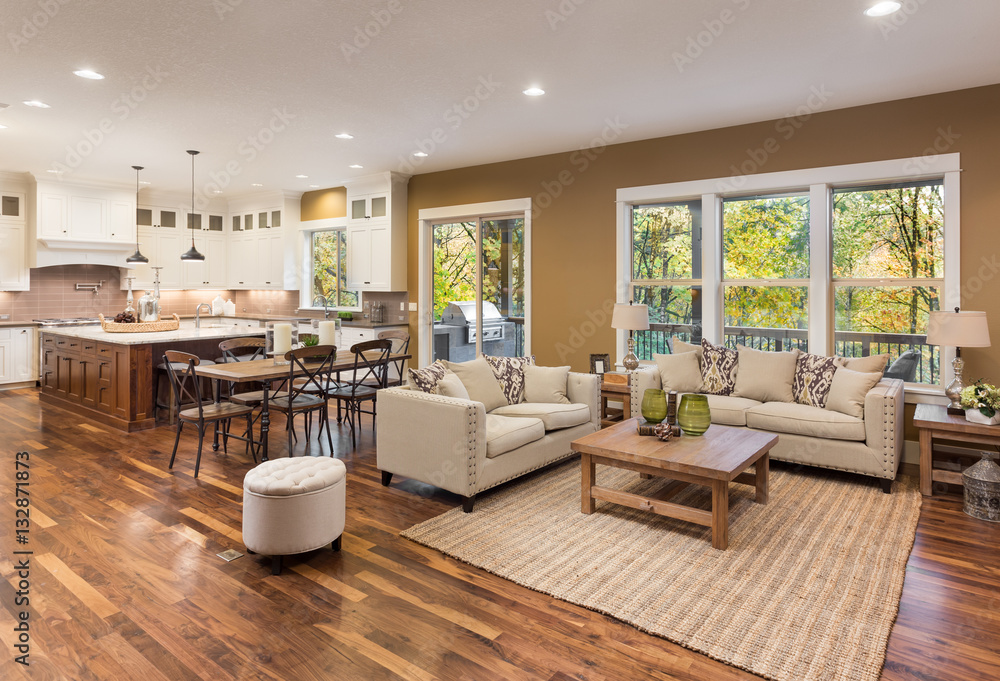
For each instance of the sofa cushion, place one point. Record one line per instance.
(718, 369)
(680, 372)
(553, 416)
(506, 433)
(728, 410)
(545, 384)
(867, 365)
(510, 374)
(451, 385)
(677, 347)
(847, 393)
(765, 376)
(427, 378)
(813, 377)
(802, 419)
(478, 378)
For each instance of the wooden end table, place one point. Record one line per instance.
(720, 456)
(934, 421)
(615, 391)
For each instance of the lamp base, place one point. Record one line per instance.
(630, 361)
(954, 390)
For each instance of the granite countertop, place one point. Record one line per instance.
(257, 317)
(185, 333)
(366, 324)
(7, 325)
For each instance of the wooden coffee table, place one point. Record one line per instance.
(720, 456)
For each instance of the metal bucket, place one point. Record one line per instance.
(981, 482)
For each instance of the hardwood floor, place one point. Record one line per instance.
(125, 583)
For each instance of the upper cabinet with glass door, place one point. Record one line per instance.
(12, 207)
(376, 233)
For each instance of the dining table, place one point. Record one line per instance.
(266, 372)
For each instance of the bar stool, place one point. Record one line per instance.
(161, 373)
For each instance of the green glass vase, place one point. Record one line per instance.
(693, 415)
(654, 405)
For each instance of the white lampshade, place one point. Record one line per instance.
(630, 317)
(958, 329)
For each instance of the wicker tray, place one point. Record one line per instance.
(141, 327)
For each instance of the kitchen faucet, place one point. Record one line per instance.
(326, 305)
(197, 314)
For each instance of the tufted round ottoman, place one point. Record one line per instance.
(293, 505)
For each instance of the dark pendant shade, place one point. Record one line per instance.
(192, 254)
(137, 256)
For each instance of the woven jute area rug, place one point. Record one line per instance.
(808, 588)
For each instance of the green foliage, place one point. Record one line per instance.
(309, 339)
(766, 238)
(330, 269)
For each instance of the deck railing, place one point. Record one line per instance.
(518, 335)
(846, 343)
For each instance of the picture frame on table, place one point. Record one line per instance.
(600, 364)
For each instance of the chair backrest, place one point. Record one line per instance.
(371, 361)
(227, 347)
(310, 368)
(185, 383)
(400, 345)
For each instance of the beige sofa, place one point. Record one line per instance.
(455, 444)
(809, 435)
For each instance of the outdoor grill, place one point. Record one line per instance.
(463, 313)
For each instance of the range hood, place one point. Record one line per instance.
(51, 252)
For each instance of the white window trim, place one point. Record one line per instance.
(307, 230)
(818, 182)
(426, 219)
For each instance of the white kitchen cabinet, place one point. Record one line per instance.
(13, 258)
(369, 257)
(52, 216)
(211, 272)
(121, 222)
(242, 261)
(167, 254)
(12, 207)
(376, 233)
(17, 355)
(90, 214)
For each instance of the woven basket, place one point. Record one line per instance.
(141, 327)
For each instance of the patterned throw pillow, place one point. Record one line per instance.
(427, 378)
(510, 374)
(813, 378)
(718, 369)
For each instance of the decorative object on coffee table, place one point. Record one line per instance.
(654, 405)
(981, 403)
(630, 318)
(981, 482)
(961, 330)
(693, 414)
(666, 432)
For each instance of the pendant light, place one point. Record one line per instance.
(192, 254)
(137, 256)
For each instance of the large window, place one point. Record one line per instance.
(329, 269)
(836, 260)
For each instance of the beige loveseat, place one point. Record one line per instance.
(456, 444)
(869, 443)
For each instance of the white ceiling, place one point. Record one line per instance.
(213, 74)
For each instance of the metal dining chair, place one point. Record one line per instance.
(400, 346)
(307, 388)
(187, 391)
(371, 361)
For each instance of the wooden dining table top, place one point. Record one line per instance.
(267, 370)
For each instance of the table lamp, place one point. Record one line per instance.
(958, 329)
(631, 318)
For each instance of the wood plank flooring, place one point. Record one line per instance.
(125, 582)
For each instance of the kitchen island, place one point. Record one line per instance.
(109, 377)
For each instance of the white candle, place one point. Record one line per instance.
(282, 338)
(327, 333)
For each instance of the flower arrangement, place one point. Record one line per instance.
(981, 396)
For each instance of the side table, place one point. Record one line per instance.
(934, 421)
(619, 393)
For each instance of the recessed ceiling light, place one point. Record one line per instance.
(881, 9)
(216, 191)
(54, 172)
(143, 182)
(420, 154)
(37, 104)
(3, 127)
(302, 177)
(314, 186)
(344, 136)
(256, 184)
(88, 74)
(534, 92)
(355, 165)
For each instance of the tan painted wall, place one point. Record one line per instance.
(574, 237)
(324, 203)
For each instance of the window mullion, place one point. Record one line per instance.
(711, 267)
(820, 270)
